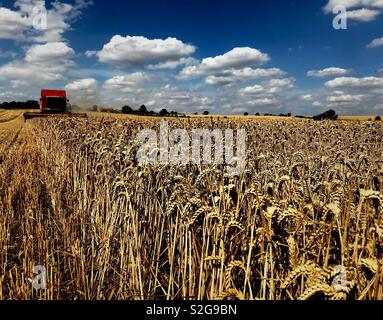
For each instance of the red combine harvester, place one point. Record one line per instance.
(54, 103)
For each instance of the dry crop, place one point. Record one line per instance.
(304, 221)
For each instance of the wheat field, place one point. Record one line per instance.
(304, 221)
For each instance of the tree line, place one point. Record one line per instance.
(30, 104)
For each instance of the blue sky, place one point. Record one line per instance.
(192, 55)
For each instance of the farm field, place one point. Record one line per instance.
(304, 220)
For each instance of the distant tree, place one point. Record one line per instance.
(206, 113)
(164, 112)
(127, 110)
(30, 104)
(246, 114)
(257, 114)
(196, 114)
(95, 108)
(328, 115)
(142, 110)
(289, 114)
(378, 118)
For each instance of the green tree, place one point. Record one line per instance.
(127, 110)
(164, 112)
(143, 110)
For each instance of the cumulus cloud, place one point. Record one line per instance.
(354, 95)
(241, 75)
(366, 82)
(268, 88)
(359, 10)
(345, 98)
(134, 90)
(332, 71)
(307, 97)
(363, 14)
(230, 68)
(375, 43)
(42, 64)
(83, 92)
(133, 82)
(49, 52)
(18, 24)
(139, 51)
(173, 64)
(268, 93)
(261, 102)
(12, 24)
(353, 4)
(236, 58)
(13, 95)
(90, 53)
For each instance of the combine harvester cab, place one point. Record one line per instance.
(54, 103)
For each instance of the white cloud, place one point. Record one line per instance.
(90, 53)
(345, 98)
(366, 82)
(19, 24)
(83, 92)
(251, 90)
(269, 93)
(189, 73)
(134, 90)
(13, 95)
(233, 76)
(307, 97)
(268, 88)
(261, 102)
(236, 58)
(49, 51)
(138, 51)
(231, 67)
(12, 24)
(127, 83)
(42, 64)
(354, 95)
(332, 71)
(317, 104)
(362, 10)
(375, 43)
(189, 61)
(363, 14)
(85, 85)
(353, 4)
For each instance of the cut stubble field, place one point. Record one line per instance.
(304, 220)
